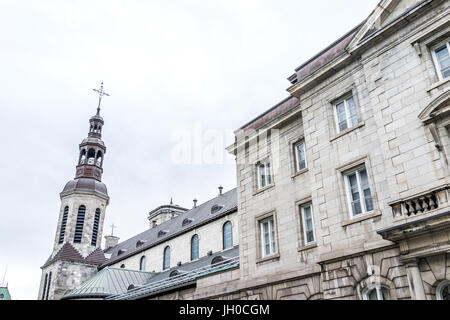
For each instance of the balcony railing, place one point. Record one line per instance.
(422, 203)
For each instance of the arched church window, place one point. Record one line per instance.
(80, 224)
(194, 247)
(95, 227)
(443, 290)
(91, 156)
(227, 235)
(122, 266)
(142, 263)
(98, 162)
(166, 258)
(63, 225)
(83, 156)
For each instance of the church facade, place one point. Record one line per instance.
(343, 188)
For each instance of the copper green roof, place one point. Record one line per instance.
(4, 293)
(109, 281)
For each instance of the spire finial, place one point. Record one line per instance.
(101, 93)
(112, 228)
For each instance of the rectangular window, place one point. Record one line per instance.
(441, 56)
(345, 114)
(300, 156)
(263, 172)
(267, 237)
(309, 234)
(358, 192)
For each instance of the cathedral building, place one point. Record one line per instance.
(343, 187)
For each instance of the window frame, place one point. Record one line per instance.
(228, 222)
(195, 236)
(165, 267)
(379, 290)
(62, 230)
(296, 155)
(96, 227)
(356, 170)
(268, 176)
(303, 224)
(437, 66)
(79, 224)
(344, 100)
(272, 236)
(440, 287)
(142, 263)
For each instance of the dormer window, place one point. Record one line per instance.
(216, 208)
(121, 251)
(441, 56)
(186, 222)
(174, 273)
(162, 233)
(140, 243)
(217, 259)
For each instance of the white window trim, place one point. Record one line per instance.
(440, 287)
(347, 113)
(305, 238)
(297, 165)
(268, 178)
(271, 229)
(361, 193)
(378, 288)
(435, 60)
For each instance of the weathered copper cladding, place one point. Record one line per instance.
(89, 171)
(268, 116)
(325, 56)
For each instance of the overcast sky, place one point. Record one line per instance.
(174, 70)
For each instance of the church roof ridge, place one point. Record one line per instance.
(200, 215)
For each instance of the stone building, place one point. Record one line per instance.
(344, 185)
(343, 188)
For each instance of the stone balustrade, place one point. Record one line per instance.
(422, 203)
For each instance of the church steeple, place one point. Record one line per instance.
(93, 149)
(77, 245)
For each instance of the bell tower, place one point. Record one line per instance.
(76, 251)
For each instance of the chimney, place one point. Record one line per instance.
(195, 203)
(111, 241)
(220, 190)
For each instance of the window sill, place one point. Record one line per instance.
(363, 217)
(438, 84)
(263, 189)
(307, 247)
(275, 256)
(298, 173)
(343, 133)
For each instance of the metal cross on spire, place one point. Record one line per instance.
(101, 93)
(112, 229)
